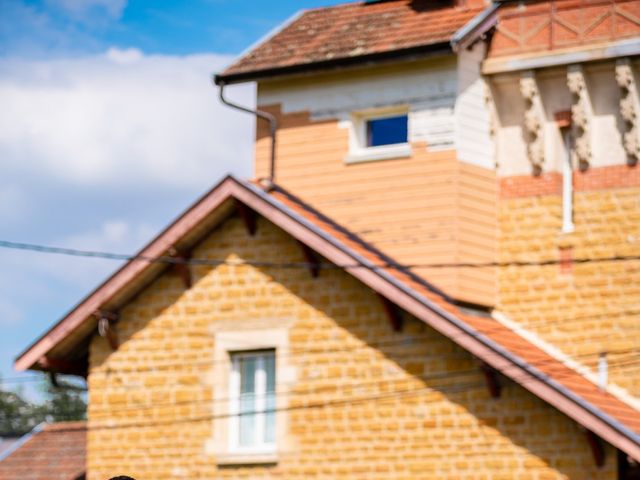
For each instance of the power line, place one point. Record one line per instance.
(336, 388)
(301, 352)
(290, 265)
(522, 377)
(456, 388)
(404, 341)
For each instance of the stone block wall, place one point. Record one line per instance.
(360, 400)
(583, 309)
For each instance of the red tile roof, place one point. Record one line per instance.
(490, 341)
(486, 326)
(355, 30)
(56, 452)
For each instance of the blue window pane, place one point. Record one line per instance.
(387, 131)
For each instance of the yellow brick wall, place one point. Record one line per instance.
(150, 402)
(596, 306)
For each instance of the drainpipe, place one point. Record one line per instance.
(273, 125)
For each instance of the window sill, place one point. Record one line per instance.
(245, 458)
(372, 154)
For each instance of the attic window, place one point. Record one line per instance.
(379, 135)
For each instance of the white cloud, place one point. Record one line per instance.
(124, 56)
(122, 118)
(98, 153)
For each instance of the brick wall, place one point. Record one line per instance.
(582, 309)
(151, 401)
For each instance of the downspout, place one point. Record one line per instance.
(273, 125)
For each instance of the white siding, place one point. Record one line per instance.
(427, 88)
(473, 140)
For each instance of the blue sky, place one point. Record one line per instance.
(109, 127)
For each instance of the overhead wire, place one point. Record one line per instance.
(445, 389)
(177, 260)
(327, 389)
(299, 353)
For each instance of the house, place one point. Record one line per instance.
(55, 451)
(436, 275)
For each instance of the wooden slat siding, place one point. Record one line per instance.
(426, 209)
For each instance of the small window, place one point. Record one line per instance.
(379, 135)
(253, 401)
(387, 131)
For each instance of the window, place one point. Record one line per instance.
(387, 131)
(253, 401)
(250, 423)
(378, 135)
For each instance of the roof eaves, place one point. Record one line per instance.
(271, 33)
(18, 364)
(24, 439)
(478, 26)
(535, 373)
(406, 54)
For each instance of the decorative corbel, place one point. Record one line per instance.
(312, 260)
(493, 381)
(533, 121)
(629, 108)
(597, 448)
(56, 365)
(394, 313)
(106, 327)
(248, 216)
(181, 267)
(581, 115)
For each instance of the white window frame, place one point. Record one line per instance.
(240, 337)
(260, 382)
(358, 149)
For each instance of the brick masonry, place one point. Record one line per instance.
(151, 401)
(582, 309)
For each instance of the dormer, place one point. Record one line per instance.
(383, 127)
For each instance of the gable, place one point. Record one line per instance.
(492, 343)
(349, 377)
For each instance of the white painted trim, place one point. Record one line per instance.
(357, 124)
(615, 390)
(230, 338)
(622, 48)
(383, 152)
(259, 446)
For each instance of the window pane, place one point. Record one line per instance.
(387, 131)
(247, 400)
(270, 404)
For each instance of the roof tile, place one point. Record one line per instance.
(355, 29)
(57, 452)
